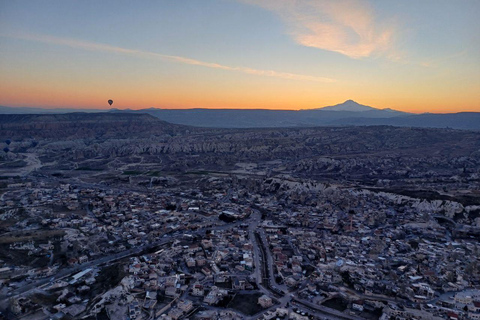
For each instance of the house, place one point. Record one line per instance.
(474, 315)
(60, 306)
(72, 261)
(215, 295)
(200, 261)
(190, 262)
(198, 290)
(171, 292)
(463, 298)
(151, 295)
(265, 301)
(221, 278)
(185, 305)
(291, 282)
(175, 313)
(149, 304)
(474, 310)
(238, 284)
(206, 271)
(358, 305)
(171, 281)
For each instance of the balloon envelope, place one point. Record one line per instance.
(8, 141)
(110, 102)
(6, 150)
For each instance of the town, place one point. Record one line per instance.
(124, 216)
(231, 247)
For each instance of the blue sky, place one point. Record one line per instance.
(282, 54)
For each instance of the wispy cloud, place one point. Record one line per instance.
(348, 27)
(92, 46)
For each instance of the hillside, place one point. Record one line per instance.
(82, 125)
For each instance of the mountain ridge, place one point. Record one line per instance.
(348, 105)
(348, 113)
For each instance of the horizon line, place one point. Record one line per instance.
(99, 109)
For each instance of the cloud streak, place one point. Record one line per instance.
(348, 27)
(92, 46)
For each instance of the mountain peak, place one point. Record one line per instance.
(348, 105)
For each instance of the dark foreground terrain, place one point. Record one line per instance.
(192, 218)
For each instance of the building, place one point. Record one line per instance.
(185, 305)
(357, 305)
(198, 290)
(265, 301)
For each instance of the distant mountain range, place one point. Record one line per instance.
(353, 106)
(348, 113)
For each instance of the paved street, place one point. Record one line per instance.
(263, 260)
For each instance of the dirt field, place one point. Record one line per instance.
(246, 303)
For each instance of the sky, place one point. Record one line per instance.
(409, 55)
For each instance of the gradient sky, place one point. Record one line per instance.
(410, 55)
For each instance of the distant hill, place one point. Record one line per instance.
(461, 120)
(78, 125)
(30, 110)
(348, 113)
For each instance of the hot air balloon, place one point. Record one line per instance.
(6, 149)
(8, 141)
(110, 102)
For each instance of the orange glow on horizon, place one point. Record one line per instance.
(241, 54)
(66, 101)
(222, 92)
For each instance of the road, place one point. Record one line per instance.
(104, 260)
(255, 221)
(93, 263)
(322, 310)
(263, 271)
(261, 250)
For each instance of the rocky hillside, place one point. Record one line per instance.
(430, 164)
(309, 150)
